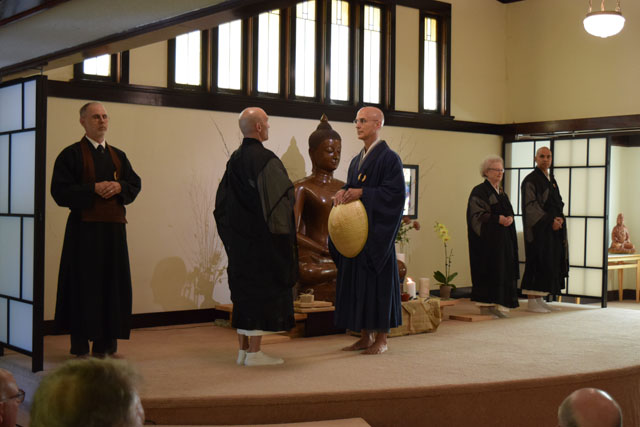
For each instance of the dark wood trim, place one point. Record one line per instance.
(151, 320)
(390, 101)
(40, 191)
(628, 295)
(621, 125)
(144, 95)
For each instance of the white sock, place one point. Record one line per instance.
(259, 358)
(241, 356)
(533, 306)
(542, 303)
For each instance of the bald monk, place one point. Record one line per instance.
(589, 407)
(368, 285)
(314, 199)
(254, 217)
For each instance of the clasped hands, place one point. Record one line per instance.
(347, 196)
(505, 221)
(107, 189)
(557, 223)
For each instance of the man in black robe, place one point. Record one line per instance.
(493, 246)
(545, 235)
(368, 285)
(254, 217)
(94, 180)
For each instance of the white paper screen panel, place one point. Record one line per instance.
(520, 236)
(20, 325)
(575, 235)
(4, 174)
(11, 108)
(585, 281)
(4, 328)
(587, 191)
(23, 154)
(27, 258)
(519, 154)
(511, 187)
(30, 104)
(595, 242)
(540, 144)
(10, 256)
(597, 152)
(562, 178)
(570, 152)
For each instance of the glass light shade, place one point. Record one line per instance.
(604, 23)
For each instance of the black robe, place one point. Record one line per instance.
(94, 282)
(254, 217)
(368, 285)
(547, 251)
(493, 248)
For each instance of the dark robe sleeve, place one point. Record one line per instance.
(130, 181)
(384, 204)
(276, 196)
(534, 214)
(67, 188)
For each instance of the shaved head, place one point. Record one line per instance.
(589, 407)
(254, 123)
(368, 122)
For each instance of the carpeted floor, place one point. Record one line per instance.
(495, 370)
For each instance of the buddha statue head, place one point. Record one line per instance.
(325, 146)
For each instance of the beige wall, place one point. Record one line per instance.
(180, 155)
(478, 63)
(555, 70)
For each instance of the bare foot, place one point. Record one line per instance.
(362, 344)
(376, 348)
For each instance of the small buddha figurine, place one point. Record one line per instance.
(620, 243)
(314, 201)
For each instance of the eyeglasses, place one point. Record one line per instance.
(363, 121)
(496, 170)
(19, 397)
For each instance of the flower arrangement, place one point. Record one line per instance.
(446, 277)
(402, 238)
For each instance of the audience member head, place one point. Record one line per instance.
(254, 123)
(589, 407)
(10, 399)
(88, 393)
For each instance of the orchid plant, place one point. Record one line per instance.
(446, 277)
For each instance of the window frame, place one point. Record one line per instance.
(119, 72)
(385, 36)
(319, 58)
(284, 57)
(443, 34)
(244, 66)
(205, 76)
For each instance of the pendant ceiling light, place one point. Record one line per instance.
(604, 23)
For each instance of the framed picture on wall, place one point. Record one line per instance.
(411, 191)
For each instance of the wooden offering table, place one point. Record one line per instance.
(620, 262)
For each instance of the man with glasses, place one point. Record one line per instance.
(368, 285)
(10, 399)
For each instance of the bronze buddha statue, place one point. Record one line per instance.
(314, 200)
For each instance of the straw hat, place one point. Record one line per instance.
(348, 228)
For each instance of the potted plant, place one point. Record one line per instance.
(402, 241)
(444, 279)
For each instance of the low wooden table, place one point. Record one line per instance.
(623, 261)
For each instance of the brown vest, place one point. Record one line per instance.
(103, 210)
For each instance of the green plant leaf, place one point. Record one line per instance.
(451, 277)
(439, 277)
